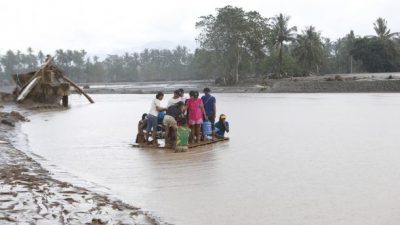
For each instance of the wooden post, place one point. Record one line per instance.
(78, 89)
(65, 100)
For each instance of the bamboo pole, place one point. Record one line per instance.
(79, 90)
(37, 73)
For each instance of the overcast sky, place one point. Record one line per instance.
(105, 26)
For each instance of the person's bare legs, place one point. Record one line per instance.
(154, 133)
(173, 137)
(198, 136)
(166, 135)
(202, 136)
(155, 142)
(147, 137)
(192, 133)
(213, 136)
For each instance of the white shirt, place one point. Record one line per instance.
(173, 101)
(183, 99)
(153, 107)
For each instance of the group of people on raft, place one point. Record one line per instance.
(184, 120)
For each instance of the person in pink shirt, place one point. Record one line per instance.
(196, 114)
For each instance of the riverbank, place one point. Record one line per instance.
(333, 83)
(29, 195)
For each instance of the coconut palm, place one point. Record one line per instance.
(40, 56)
(349, 42)
(309, 49)
(281, 33)
(382, 30)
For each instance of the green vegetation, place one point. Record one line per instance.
(234, 45)
(309, 50)
(281, 34)
(235, 38)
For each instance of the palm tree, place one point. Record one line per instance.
(281, 33)
(41, 57)
(382, 30)
(309, 49)
(349, 43)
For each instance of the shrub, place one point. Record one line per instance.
(338, 78)
(330, 79)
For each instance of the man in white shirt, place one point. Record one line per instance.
(175, 99)
(152, 117)
(182, 95)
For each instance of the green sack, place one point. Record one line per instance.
(182, 136)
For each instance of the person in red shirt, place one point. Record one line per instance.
(195, 109)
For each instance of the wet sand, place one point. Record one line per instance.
(29, 195)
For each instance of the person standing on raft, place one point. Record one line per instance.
(175, 99)
(182, 95)
(210, 107)
(196, 113)
(152, 117)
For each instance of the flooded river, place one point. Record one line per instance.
(292, 159)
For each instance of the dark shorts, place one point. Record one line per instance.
(152, 122)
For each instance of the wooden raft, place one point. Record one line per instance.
(194, 145)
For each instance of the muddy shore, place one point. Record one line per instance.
(29, 195)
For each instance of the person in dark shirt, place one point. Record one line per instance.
(140, 137)
(210, 107)
(174, 113)
(221, 127)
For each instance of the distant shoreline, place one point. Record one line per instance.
(343, 83)
(332, 83)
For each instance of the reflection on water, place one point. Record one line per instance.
(292, 159)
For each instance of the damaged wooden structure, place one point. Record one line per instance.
(46, 85)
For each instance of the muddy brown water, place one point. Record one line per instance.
(292, 159)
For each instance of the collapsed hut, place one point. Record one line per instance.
(46, 85)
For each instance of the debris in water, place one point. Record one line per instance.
(46, 85)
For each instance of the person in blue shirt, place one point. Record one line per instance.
(221, 127)
(210, 106)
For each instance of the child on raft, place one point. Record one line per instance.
(221, 127)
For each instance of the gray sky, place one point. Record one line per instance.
(105, 26)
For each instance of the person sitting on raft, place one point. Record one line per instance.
(152, 117)
(221, 127)
(174, 113)
(142, 125)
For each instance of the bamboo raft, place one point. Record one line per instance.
(194, 145)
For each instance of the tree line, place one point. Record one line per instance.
(234, 45)
(148, 65)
